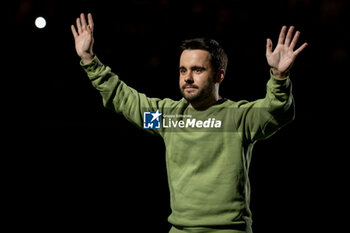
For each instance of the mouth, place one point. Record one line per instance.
(189, 88)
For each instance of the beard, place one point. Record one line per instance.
(198, 95)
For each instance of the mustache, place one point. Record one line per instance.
(189, 85)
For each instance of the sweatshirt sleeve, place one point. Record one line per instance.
(262, 118)
(118, 96)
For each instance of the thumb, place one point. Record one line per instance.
(268, 46)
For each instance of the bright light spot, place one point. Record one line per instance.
(40, 22)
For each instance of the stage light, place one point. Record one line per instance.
(40, 22)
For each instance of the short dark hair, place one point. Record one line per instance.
(217, 54)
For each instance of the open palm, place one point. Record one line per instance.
(282, 57)
(84, 36)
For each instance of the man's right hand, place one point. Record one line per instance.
(84, 38)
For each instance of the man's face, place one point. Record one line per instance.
(196, 75)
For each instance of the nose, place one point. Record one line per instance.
(188, 78)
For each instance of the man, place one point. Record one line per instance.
(208, 139)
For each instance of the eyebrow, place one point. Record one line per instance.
(193, 67)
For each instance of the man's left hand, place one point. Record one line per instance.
(282, 57)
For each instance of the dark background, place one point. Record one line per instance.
(77, 166)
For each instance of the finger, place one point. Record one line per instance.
(75, 34)
(295, 40)
(301, 48)
(88, 29)
(91, 22)
(79, 25)
(268, 46)
(83, 21)
(289, 36)
(282, 35)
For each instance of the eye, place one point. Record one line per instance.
(183, 71)
(198, 69)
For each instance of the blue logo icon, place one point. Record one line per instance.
(151, 120)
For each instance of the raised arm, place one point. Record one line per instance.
(282, 57)
(265, 116)
(84, 38)
(116, 95)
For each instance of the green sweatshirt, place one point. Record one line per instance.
(208, 152)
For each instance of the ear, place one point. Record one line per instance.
(219, 77)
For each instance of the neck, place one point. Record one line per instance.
(206, 103)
